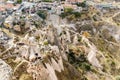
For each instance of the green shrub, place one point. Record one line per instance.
(42, 14)
(47, 0)
(83, 4)
(63, 15)
(85, 66)
(68, 10)
(19, 1)
(71, 14)
(77, 14)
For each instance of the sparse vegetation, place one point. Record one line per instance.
(69, 12)
(42, 46)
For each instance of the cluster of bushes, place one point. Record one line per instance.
(69, 12)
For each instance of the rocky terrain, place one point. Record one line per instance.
(81, 48)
